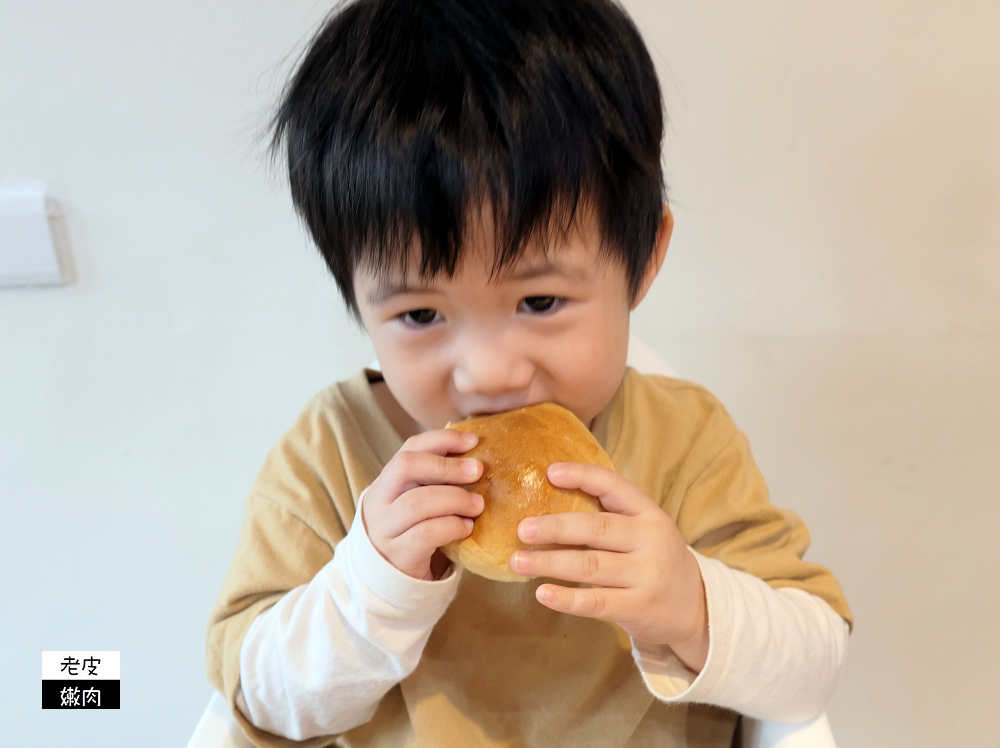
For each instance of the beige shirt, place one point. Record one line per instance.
(500, 669)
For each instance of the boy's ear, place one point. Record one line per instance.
(656, 262)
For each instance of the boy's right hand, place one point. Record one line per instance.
(417, 505)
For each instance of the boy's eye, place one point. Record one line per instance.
(540, 303)
(420, 316)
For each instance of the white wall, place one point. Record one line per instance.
(834, 277)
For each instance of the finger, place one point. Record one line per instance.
(603, 530)
(585, 566)
(602, 603)
(408, 470)
(426, 502)
(420, 541)
(615, 492)
(441, 442)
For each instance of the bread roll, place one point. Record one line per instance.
(516, 449)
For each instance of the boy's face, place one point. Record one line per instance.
(554, 327)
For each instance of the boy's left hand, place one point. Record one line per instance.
(644, 577)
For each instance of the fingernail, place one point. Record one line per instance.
(470, 438)
(477, 501)
(529, 528)
(545, 595)
(468, 523)
(520, 560)
(470, 468)
(557, 471)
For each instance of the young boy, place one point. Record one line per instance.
(483, 180)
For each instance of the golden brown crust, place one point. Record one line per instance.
(516, 449)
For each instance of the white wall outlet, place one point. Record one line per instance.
(33, 250)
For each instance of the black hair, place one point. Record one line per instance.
(406, 117)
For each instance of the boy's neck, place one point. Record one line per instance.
(401, 420)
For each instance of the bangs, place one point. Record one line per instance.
(407, 118)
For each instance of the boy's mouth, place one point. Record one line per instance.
(494, 411)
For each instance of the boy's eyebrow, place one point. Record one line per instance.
(545, 267)
(382, 293)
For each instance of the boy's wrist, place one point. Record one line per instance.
(693, 651)
(688, 640)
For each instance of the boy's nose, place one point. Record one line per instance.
(493, 368)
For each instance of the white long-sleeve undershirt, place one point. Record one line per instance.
(319, 661)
